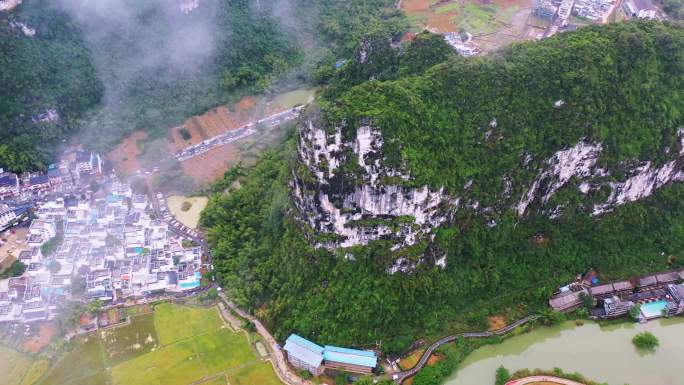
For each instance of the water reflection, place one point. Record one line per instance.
(602, 352)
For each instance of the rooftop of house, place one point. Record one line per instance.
(40, 179)
(83, 156)
(8, 181)
(642, 5)
(350, 356)
(304, 350)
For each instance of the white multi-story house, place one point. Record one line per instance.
(7, 216)
(642, 9)
(41, 231)
(139, 202)
(88, 163)
(9, 185)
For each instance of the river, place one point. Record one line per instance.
(603, 354)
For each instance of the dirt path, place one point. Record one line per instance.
(278, 359)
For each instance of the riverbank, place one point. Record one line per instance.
(602, 351)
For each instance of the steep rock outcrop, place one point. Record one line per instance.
(352, 195)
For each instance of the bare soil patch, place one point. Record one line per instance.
(496, 322)
(212, 164)
(42, 339)
(125, 155)
(13, 241)
(212, 123)
(411, 360)
(435, 358)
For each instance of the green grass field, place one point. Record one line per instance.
(13, 365)
(35, 372)
(220, 380)
(82, 365)
(174, 364)
(174, 323)
(223, 349)
(477, 19)
(261, 374)
(174, 345)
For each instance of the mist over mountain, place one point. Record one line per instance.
(157, 62)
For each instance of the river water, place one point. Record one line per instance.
(603, 354)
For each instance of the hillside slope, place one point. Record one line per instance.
(110, 68)
(429, 201)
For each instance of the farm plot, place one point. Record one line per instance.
(174, 323)
(223, 349)
(174, 364)
(480, 18)
(82, 365)
(125, 342)
(261, 373)
(173, 345)
(13, 365)
(35, 372)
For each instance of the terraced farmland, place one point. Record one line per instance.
(174, 345)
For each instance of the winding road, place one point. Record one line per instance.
(400, 377)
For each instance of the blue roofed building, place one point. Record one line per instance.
(304, 354)
(349, 360)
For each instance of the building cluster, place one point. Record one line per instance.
(75, 168)
(102, 244)
(655, 296)
(464, 48)
(642, 9)
(306, 355)
(559, 11)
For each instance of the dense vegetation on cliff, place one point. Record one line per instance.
(621, 85)
(109, 69)
(52, 70)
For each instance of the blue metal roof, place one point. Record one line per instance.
(350, 356)
(294, 338)
(40, 179)
(304, 350)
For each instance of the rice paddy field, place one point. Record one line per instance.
(493, 23)
(173, 345)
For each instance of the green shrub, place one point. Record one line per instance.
(645, 341)
(502, 376)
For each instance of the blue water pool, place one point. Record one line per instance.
(653, 309)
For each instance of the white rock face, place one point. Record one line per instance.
(189, 6)
(358, 216)
(576, 161)
(8, 5)
(580, 161)
(49, 116)
(643, 184)
(25, 29)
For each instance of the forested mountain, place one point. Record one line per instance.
(107, 68)
(421, 197)
(47, 81)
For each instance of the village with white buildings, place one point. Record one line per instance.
(85, 235)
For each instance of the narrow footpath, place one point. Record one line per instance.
(400, 377)
(278, 360)
(289, 377)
